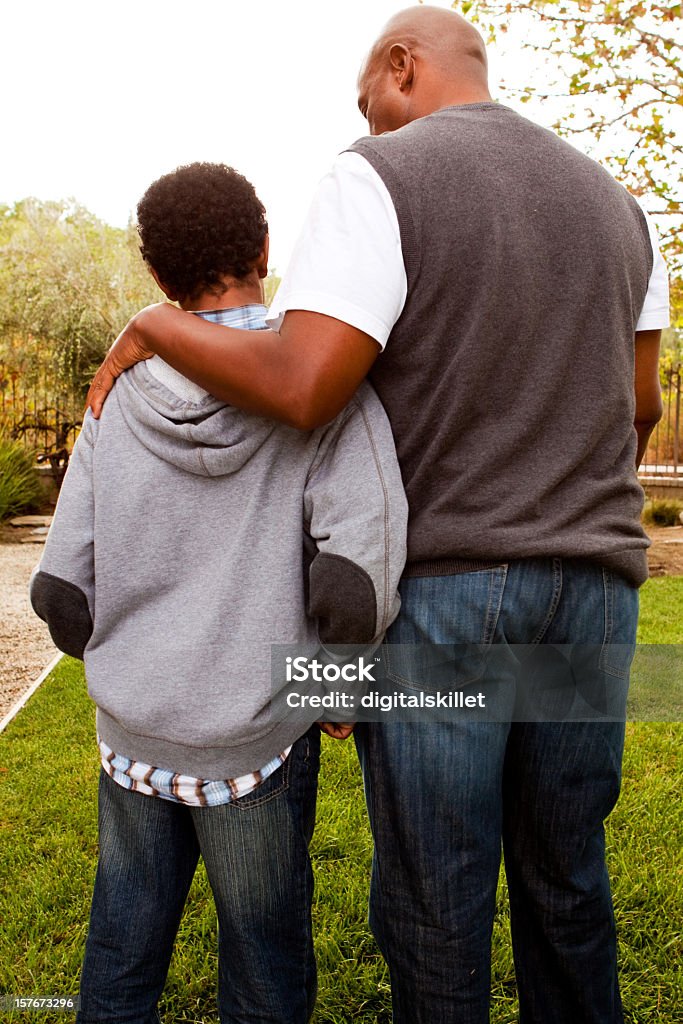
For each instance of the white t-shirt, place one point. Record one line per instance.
(348, 261)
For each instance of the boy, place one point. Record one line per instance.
(175, 620)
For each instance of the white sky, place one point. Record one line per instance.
(99, 99)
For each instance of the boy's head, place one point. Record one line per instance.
(203, 229)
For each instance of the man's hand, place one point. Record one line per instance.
(337, 730)
(128, 349)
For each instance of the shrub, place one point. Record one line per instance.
(662, 512)
(19, 486)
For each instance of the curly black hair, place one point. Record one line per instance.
(198, 224)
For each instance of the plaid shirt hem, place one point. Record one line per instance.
(183, 789)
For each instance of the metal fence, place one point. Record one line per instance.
(45, 419)
(664, 452)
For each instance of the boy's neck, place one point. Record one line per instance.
(234, 293)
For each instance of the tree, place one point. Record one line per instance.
(617, 65)
(68, 282)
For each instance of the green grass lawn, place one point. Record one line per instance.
(48, 856)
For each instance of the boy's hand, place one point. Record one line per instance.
(337, 730)
(128, 349)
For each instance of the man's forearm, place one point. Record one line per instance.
(648, 390)
(303, 376)
(249, 369)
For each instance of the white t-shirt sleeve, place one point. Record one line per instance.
(348, 261)
(655, 312)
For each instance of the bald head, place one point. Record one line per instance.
(440, 36)
(425, 58)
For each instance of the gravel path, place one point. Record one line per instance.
(25, 644)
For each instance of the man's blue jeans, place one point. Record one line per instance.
(256, 854)
(443, 796)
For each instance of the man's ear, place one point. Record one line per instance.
(402, 65)
(261, 264)
(167, 291)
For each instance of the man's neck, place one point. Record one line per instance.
(457, 98)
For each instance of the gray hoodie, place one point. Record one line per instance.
(190, 536)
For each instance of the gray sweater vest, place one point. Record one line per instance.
(508, 378)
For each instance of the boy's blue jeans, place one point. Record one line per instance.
(443, 797)
(256, 854)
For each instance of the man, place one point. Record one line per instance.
(503, 293)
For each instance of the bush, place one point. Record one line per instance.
(19, 486)
(662, 512)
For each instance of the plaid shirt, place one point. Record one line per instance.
(182, 789)
(185, 789)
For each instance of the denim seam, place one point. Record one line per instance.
(304, 880)
(498, 580)
(554, 601)
(608, 591)
(608, 584)
(604, 659)
(245, 804)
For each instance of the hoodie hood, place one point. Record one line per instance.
(185, 426)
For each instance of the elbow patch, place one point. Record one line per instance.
(342, 598)
(64, 607)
